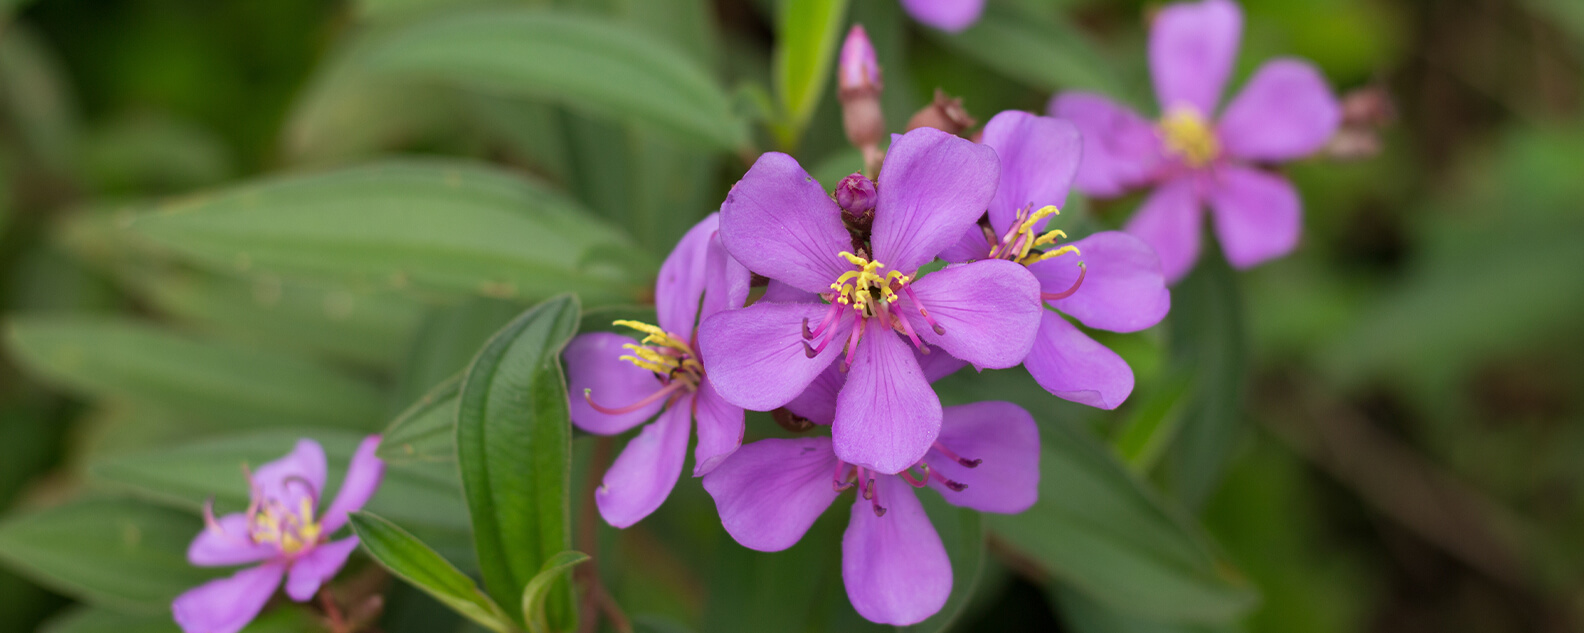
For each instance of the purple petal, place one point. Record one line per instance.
(317, 567)
(647, 468)
(887, 415)
(1191, 49)
(1257, 215)
(726, 284)
(1121, 150)
(1039, 158)
(755, 358)
(973, 246)
(1123, 288)
(300, 472)
(946, 15)
(593, 364)
(777, 292)
(1069, 364)
(988, 311)
(1168, 222)
(1285, 111)
(1005, 440)
(362, 479)
(938, 364)
(933, 187)
(781, 224)
(225, 605)
(229, 545)
(769, 492)
(682, 277)
(817, 403)
(720, 429)
(894, 566)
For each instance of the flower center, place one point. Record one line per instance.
(271, 521)
(1188, 136)
(864, 287)
(669, 356)
(1021, 245)
(867, 294)
(848, 475)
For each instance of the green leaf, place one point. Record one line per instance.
(514, 447)
(96, 620)
(426, 431)
(533, 598)
(34, 92)
(1038, 48)
(447, 342)
(1147, 433)
(1102, 531)
(439, 225)
(212, 380)
(115, 553)
(807, 34)
(592, 65)
(1086, 616)
(421, 567)
(1207, 339)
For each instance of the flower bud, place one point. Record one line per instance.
(856, 194)
(859, 71)
(944, 113)
(858, 88)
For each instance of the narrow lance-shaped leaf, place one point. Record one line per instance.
(533, 599)
(1207, 338)
(420, 566)
(426, 431)
(806, 37)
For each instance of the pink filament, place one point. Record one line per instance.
(830, 317)
(921, 480)
(1052, 296)
(967, 463)
(646, 401)
(852, 340)
(955, 486)
(922, 312)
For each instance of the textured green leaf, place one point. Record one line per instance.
(1153, 424)
(1038, 48)
(426, 431)
(514, 448)
(533, 599)
(210, 380)
(447, 226)
(414, 562)
(1207, 339)
(807, 35)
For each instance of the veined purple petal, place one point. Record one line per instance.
(1121, 150)
(1123, 288)
(1168, 222)
(973, 246)
(947, 15)
(1191, 49)
(299, 473)
(988, 311)
(726, 284)
(755, 356)
(682, 277)
(720, 429)
(777, 292)
(781, 224)
(225, 605)
(933, 187)
(228, 546)
(1069, 364)
(817, 403)
(1257, 215)
(647, 469)
(769, 492)
(1039, 159)
(1285, 111)
(894, 566)
(938, 364)
(887, 415)
(1005, 440)
(593, 363)
(317, 567)
(362, 479)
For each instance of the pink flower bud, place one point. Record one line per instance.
(858, 71)
(856, 194)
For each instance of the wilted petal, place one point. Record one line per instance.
(988, 310)
(781, 224)
(1039, 158)
(301, 472)
(647, 468)
(593, 364)
(1123, 288)
(933, 187)
(1257, 215)
(362, 479)
(887, 415)
(755, 358)
(317, 567)
(817, 403)
(894, 566)
(1285, 111)
(1069, 364)
(726, 286)
(682, 277)
(1005, 440)
(720, 429)
(1121, 150)
(1168, 222)
(225, 605)
(1191, 49)
(769, 492)
(229, 545)
(946, 15)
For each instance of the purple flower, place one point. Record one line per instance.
(946, 15)
(893, 564)
(780, 223)
(1286, 111)
(1118, 285)
(660, 373)
(281, 530)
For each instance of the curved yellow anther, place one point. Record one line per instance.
(1052, 254)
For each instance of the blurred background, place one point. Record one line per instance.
(1381, 432)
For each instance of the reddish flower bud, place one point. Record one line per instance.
(945, 113)
(858, 87)
(856, 194)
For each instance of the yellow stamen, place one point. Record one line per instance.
(662, 352)
(1188, 136)
(1052, 254)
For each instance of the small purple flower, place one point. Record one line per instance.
(1285, 111)
(280, 529)
(893, 564)
(871, 304)
(1118, 285)
(947, 15)
(660, 373)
